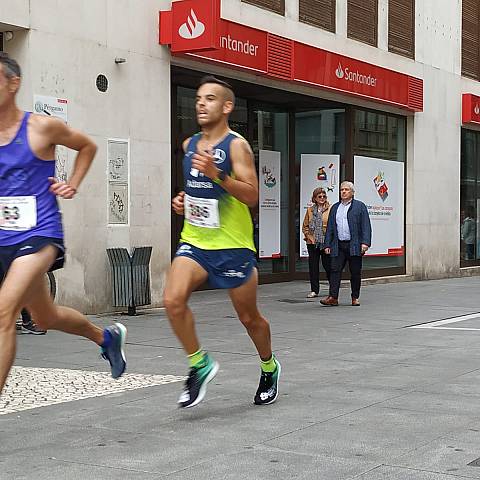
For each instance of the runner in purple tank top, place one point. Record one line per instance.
(31, 233)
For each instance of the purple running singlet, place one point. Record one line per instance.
(27, 207)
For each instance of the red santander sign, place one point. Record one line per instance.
(240, 46)
(470, 108)
(195, 28)
(194, 25)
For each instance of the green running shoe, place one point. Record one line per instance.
(267, 391)
(196, 383)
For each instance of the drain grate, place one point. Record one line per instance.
(475, 463)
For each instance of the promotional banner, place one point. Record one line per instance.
(269, 204)
(380, 185)
(317, 171)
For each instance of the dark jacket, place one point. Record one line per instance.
(358, 223)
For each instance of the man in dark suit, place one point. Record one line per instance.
(348, 237)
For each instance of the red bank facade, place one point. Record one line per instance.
(301, 140)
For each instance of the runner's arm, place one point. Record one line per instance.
(61, 134)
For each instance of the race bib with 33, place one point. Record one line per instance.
(202, 212)
(18, 213)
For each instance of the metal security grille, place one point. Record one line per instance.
(470, 38)
(130, 277)
(277, 6)
(401, 27)
(362, 20)
(320, 13)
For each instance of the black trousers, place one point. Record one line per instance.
(314, 256)
(338, 264)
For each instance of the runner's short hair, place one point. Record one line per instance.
(211, 79)
(10, 66)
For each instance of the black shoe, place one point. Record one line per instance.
(30, 327)
(268, 388)
(196, 383)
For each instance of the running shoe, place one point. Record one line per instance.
(115, 352)
(31, 327)
(268, 388)
(196, 383)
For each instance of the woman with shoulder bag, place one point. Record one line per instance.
(314, 228)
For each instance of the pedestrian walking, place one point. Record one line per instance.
(31, 232)
(348, 237)
(314, 229)
(216, 243)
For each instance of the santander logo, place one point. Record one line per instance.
(476, 109)
(355, 77)
(339, 72)
(192, 28)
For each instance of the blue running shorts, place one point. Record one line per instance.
(229, 268)
(32, 245)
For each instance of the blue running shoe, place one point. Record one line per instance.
(115, 352)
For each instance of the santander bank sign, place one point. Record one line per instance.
(355, 76)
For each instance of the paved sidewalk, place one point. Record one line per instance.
(362, 397)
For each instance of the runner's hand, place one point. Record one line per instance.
(327, 251)
(61, 189)
(178, 203)
(204, 162)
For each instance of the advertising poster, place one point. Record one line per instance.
(269, 204)
(380, 185)
(317, 170)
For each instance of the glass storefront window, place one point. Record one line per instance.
(316, 132)
(379, 151)
(469, 198)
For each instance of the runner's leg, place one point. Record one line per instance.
(184, 277)
(17, 287)
(244, 299)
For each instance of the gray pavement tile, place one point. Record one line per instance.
(397, 473)
(449, 454)
(378, 434)
(41, 468)
(268, 463)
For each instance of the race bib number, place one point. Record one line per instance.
(202, 212)
(18, 213)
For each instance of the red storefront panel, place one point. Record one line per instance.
(470, 108)
(240, 46)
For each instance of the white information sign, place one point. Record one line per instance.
(269, 204)
(118, 204)
(317, 171)
(118, 161)
(380, 185)
(51, 106)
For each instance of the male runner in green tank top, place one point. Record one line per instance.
(217, 240)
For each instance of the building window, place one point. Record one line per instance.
(277, 6)
(320, 13)
(1, 41)
(470, 198)
(470, 38)
(379, 141)
(401, 27)
(362, 20)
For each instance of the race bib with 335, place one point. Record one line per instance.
(18, 213)
(202, 212)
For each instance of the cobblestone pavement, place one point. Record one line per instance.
(29, 388)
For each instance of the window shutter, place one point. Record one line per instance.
(320, 13)
(401, 27)
(362, 20)
(277, 6)
(470, 38)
